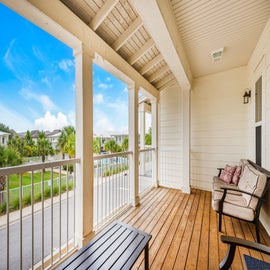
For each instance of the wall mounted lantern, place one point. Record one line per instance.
(246, 96)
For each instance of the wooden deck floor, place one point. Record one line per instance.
(185, 233)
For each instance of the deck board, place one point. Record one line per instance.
(184, 231)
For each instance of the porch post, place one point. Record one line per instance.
(142, 137)
(133, 143)
(154, 108)
(186, 141)
(84, 145)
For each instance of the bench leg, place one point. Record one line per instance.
(146, 257)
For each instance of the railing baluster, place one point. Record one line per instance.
(51, 191)
(60, 212)
(21, 236)
(32, 219)
(42, 217)
(7, 212)
(67, 207)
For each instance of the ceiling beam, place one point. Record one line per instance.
(102, 14)
(165, 80)
(143, 50)
(151, 64)
(118, 43)
(158, 19)
(158, 73)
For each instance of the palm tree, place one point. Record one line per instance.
(71, 145)
(63, 139)
(16, 143)
(112, 146)
(44, 146)
(125, 144)
(29, 145)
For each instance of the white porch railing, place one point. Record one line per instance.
(111, 187)
(145, 169)
(42, 233)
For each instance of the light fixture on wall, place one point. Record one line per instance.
(246, 96)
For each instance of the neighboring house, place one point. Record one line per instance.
(53, 137)
(119, 138)
(103, 138)
(4, 137)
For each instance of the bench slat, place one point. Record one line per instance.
(117, 247)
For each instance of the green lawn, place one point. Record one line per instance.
(14, 179)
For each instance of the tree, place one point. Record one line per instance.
(148, 137)
(44, 146)
(29, 145)
(71, 145)
(63, 139)
(8, 157)
(4, 128)
(16, 143)
(125, 144)
(96, 145)
(112, 146)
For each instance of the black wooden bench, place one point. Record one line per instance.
(116, 247)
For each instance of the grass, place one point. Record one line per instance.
(14, 179)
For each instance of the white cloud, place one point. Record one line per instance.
(44, 100)
(66, 64)
(104, 86)
(14, 120)
(51, 122)
(102, 122)
(98, 99)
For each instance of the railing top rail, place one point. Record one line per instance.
(112, 155)
(147, 149)
(37, 166)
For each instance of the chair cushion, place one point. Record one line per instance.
(233, 205)
(252, 181)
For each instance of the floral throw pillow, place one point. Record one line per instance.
(236, 175)
(227, 174)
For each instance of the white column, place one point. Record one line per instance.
(154, 112)
(133, 143)
(142, 137)
(186, 141)
(84, 145)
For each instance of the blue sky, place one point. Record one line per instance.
(37, 82)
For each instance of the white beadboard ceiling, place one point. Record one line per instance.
(198, 27)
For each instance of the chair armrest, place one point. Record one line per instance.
(242, 191)
(233, 242)
(219, 171)
(245, 243)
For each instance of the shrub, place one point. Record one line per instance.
(70, 186)
(47, 193)
(38, 197)
(3, 208)
(27, 200)
(63, 188)
(15, 205)
(55, 191)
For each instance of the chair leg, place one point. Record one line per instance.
(220, 222)
(257, 231)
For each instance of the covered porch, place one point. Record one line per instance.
(167, 50)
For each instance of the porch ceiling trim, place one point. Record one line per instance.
(157, 17)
